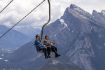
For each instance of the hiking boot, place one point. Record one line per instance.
(57, 55)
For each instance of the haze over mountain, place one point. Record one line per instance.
(13, 39)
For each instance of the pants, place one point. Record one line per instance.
(44, 50)
(53, 49)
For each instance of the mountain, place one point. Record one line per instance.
(81, 36)
(99, 17)
(80, 40)
(13, 39)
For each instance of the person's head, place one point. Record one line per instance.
(37, 37)
(46, 37)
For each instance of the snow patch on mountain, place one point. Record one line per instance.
(65, 25)
(1, 58)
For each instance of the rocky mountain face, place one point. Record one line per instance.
(80, 39)
(99, 17)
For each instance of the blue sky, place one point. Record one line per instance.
(21, 7)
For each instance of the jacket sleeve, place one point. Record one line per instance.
(37, 43)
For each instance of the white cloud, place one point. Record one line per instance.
(20, 8)
(90, 5)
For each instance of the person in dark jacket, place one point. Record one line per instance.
(50, 46)
(39, 46)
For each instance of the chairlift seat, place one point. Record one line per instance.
(38, 49)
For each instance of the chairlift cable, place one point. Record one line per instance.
(6, 6)
(21, 19)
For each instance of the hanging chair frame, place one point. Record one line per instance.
(43, 27)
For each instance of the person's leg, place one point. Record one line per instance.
(48, 51)
(54, 49)
(45, 52)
